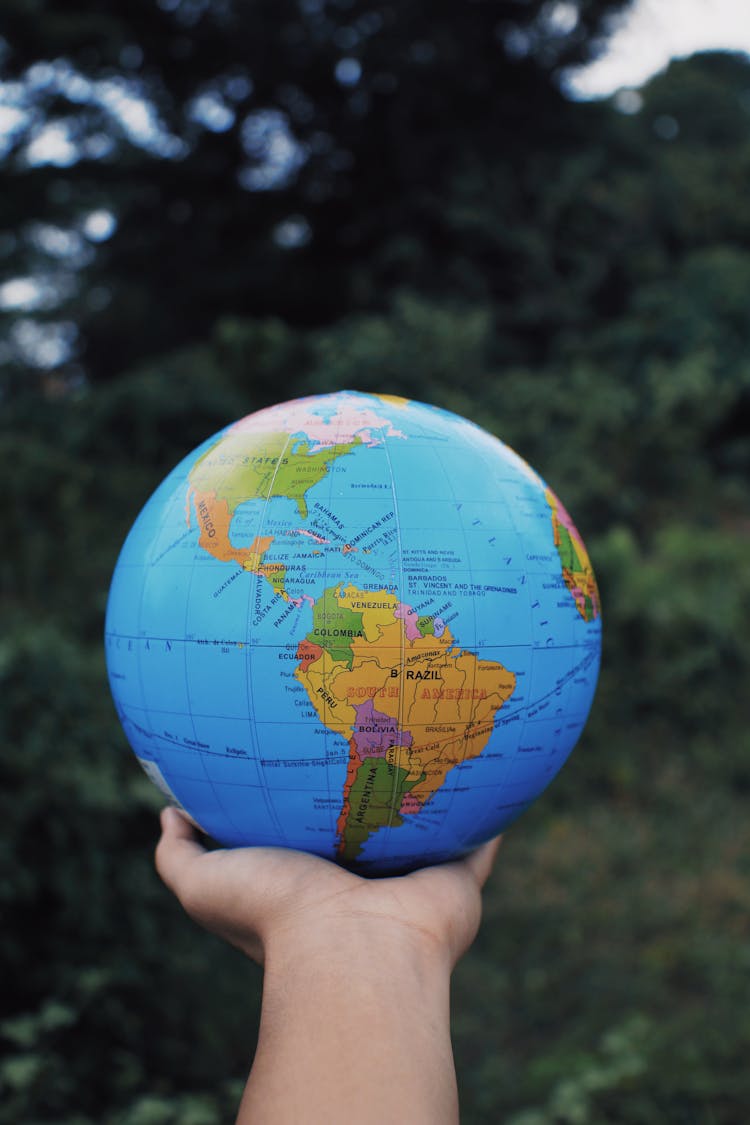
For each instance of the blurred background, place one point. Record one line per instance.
(522, 211)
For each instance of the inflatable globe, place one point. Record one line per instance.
(354, 625)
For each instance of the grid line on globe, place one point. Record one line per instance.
(364, 628)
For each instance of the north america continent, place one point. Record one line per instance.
(243, 466)
(410, 703)
(279, 453)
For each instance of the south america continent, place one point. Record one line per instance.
(410, 703)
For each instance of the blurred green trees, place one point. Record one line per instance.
(573, 277)
(296, 158)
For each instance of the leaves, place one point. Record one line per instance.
(570, 277)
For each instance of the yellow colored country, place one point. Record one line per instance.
(377, 609)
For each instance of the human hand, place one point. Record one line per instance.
(262, 898)
(355, 969)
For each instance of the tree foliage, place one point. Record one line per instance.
(571, 276)
(277, 157)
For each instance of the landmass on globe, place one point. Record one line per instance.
(391, 676)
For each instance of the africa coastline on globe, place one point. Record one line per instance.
(354, 625)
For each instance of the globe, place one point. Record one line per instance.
(355, 625)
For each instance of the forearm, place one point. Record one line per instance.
(355, 1024)
(355, 1027)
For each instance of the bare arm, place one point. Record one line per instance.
(355, 1015)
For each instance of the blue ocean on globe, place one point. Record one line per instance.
(355, 625)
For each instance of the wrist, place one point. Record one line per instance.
(383, 951)
(358, 945)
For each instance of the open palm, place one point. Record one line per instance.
(250, 896)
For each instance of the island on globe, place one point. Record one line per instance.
(354, 625)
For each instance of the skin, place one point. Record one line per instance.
(355, 1020)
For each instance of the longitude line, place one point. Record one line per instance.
(187, 693)
(248, 662)
(451, 793)
(391, 808)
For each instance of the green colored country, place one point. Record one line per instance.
(276, 575)
(245, 466)
(300, 470)
(426, 626)
(335, 626)
(374, 798)
(566, 549)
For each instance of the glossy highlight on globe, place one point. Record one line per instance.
(354, 625)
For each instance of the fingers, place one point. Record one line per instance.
(480, 862)
(177, 849)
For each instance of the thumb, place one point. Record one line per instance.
(480, 862)
(177, 850)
